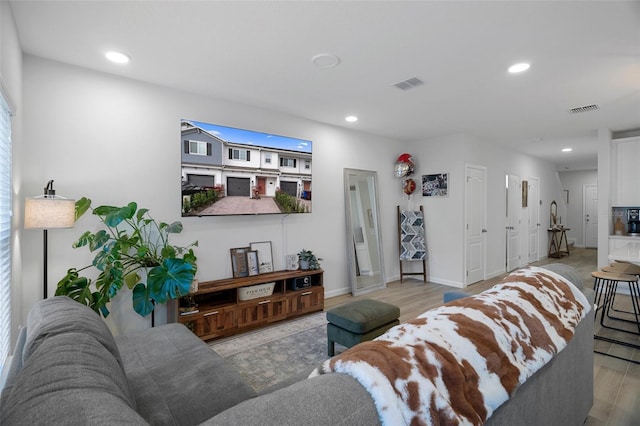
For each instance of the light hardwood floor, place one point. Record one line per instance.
(617, 382)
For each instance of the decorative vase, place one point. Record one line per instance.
(122, 318)
(304, 264)
(618, 227)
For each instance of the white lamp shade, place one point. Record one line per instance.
(49, 212)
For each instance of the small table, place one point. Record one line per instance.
(558, 235)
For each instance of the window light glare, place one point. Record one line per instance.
(567, 149)
(117, 57)
(516, 68)
(351, 118)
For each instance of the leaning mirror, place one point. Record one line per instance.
(364, 244)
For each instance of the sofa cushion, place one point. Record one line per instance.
(60, 315)
(70, 378)
(177, 378)
(330, 399)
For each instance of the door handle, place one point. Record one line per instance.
(484, 230)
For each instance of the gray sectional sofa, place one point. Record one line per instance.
(68, 369)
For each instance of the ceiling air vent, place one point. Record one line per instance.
(585, 108)
(409, 84)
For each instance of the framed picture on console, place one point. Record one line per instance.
(252, 262)
(265, 256)
(239, 263)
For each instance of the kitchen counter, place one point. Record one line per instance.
(624, 248)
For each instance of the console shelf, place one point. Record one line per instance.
(216, 310)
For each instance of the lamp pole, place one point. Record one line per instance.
(44, 234)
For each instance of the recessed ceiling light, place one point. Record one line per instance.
(351, 118)
(117, 57)
(567, 149)
(325, 60)
(516, 68)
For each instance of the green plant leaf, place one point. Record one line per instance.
(142, 251)
(175, 228)
(142, 303)
(84, 239)
(172, 279)
(132, 279)
(168, 251)
(141, 214)
(104, 210)
(82, 205)
(78, 289)
(98, 239)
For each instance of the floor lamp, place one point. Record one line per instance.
(48, 211)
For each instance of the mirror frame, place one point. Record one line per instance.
(553, 214)
(350, 230)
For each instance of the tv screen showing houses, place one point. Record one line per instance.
(229, 171)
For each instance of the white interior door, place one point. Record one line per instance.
(590, 209)
(514, 206)
(476, 219)
(533, 210)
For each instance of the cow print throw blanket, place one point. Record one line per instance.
(456, 364)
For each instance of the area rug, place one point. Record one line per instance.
(270, 355)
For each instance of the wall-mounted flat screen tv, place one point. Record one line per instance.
(229, 171)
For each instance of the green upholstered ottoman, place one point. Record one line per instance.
(359, 321)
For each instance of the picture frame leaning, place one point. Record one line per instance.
(239, 264)
(252, 262)
(265, 256)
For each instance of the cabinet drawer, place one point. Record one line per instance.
(213, 323)
(262, 311)
(306, 300)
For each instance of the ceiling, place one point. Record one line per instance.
(260, 53)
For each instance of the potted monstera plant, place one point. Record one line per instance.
(133, 249)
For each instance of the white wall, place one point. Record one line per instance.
(604, 195)
(574, 181)
(116, 140)
(444, 217)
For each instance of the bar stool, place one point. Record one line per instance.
(623, 268)
(605, 286)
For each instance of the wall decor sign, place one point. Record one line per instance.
(436, 185)
(239, 264)
(265, 256)
(292, 262)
